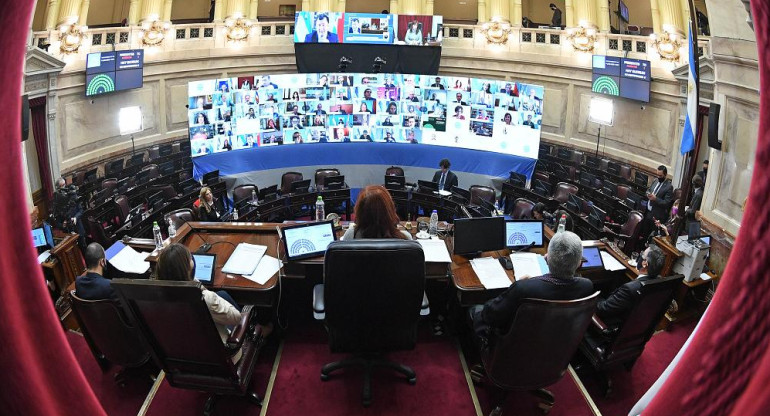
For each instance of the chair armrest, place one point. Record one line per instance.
(319, 308)
(598, 323)
(239, 333)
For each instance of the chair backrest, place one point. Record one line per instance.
(153, 153)
(153, 171)
(625, 172)
(528, 357)
(562, 190)
(522, 208)
(394, 171)
(176, 148)
(577, 157)
(243, 193)
(179, 330)
(373, 292)
(287, 178)
(480, 192)
(639, 324)
(622, 192)
(321, 174)
(122, 208)
(179, 217)
(633, 224)
(109, 185)
(168, 191)
(542, 176)
(97, 232)
(109, 332)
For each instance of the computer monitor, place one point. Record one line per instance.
(609, 188)
(154, 199)
(541, 187)
(210, 177)
(205, 265)
(300, 187)
(115, 166)
(592, 259)
(165, 149)
(613, 168)
(90, 175)
(142, 177)
(706, 239)
(166, 168)
(587, 179)
(307, 240)
(48, 232)
(633, 200)
(517, 179)
(462, 193)
(559, 170)
(487, 207)
(641, 179)
(427, 186)
(693, 230)
(123, 185)
(476, 235)
(593, 161)
(397, 181)
(135, 160)
(574, 203)
(597, 216)
(38, 237)
(523, 233)
(565, 154)
(334, 182)
(544, 149)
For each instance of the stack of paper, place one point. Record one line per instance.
(435, 251)
(530, 264)
(490, 273)
(126, 259)
(611, 263)
(267, 267)
(244, 259)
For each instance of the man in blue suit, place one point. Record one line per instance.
(92, 285)
(321, 33)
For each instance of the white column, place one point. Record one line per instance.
(69, 12)
(429, 7)
(498, 9)
(394, 9)
(51, 14)
(515, 9)
(167, 5)
(655, 16)
(151, 10)
(219, 10)
(235, 8)
(585, 13)
(133, 12)
(603, 19)
(569, 14)
(482, 13)
(84, 12)
(253, 9)
(671, 15)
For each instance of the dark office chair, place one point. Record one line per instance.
(562, 190)
(394, 171)
(522, 208)
(153, 170)
(321, 174)
(628, 232)
(577, 157)
(287, 179)
(176, 148)
(168, 191)
(122, 209)
(183, 339)
(98, 232)
(543, 176)
(179, 217)
(243, 193)
(622, 192)
(111, 336)
(625, 172)
(109, 185)
(610, 345)
(371, 296)
(113, 168)
(153, 153)
(528, 358)
(480, 192)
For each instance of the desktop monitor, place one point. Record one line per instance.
(165, 149)
(476, 235)
(560, 170)
(593, 161)
(115, 166)
(38, 237)
(641, 179)
(154, 199)
(609, 188)
(307, 240)
(334, 182)
(398, 181)
(135, 160)
(205, 265)
(166, 168)
(488, 207)
(693, 230)
(613, 168)
(574, 203)
(523, 233)
(706, 239)
(597, 216)
(517, 179)
(90, 175)
(210, 177)
(565, 154)
(587, 179)
(48, 234)
(541, 187)
(300, 187)
(462, 193)
(592, 259)
(427, 186)
(633, 200)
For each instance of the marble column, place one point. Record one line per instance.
(498, 9)
(167, 5)
(671, 16)
(410, 7)
(655, 16)
(429, 7)
(585, 13)
(515, 12)
(394, 9)
(341, 6)
(482, 13)
(322, 5)
(219, 10)
(133, 12)
(83, 21)
(253, 7)
(151, 10)
(69, 12)
(569, 13)
(235, 8)
(51, 14)
(685, 14)
(603, 18)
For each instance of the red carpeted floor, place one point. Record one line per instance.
(116, 400)
(630, 386)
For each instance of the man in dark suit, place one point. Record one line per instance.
(565, 254)
(445, 178)
(92, 285)
(459, 99)
(437, 84)
(321, 33)
(705, 170)
(556, 19)
(366, 136)
(660, 196)
(622, 299)
(697, 198)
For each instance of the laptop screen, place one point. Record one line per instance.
(38, 237)
(204, 267)
(592, 258)
(307, 240)
(521, 233)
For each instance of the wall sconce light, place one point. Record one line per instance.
(237, 28)
(667, 44)
(153, 32)
(582, 38)
(71, 37)
(496, 31)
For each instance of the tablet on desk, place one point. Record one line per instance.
(307, 240)
(204, 267)
(592, 259)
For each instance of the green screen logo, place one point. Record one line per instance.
(605, 85)
(100, 84)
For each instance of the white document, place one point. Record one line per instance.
(531, 264)
(490, 273)
(267, 267)
(444, 193)
(244, 259)
(42, 257)
(611, 263)
(129, 260)
(705, 276)
(435, 251)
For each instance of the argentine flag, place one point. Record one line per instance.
(688, 133)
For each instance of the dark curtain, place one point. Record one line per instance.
(403, 25)
(39, 131)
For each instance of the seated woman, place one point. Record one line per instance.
(207, 208)
(376, 217)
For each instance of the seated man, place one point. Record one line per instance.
(92, 285)
(620, 301)
(565, 254)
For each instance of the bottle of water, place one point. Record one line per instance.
(253, 196)
(320, 215)
(433, 228)
(171, 228)
(562, 223)
(235, 214)
(157, 235)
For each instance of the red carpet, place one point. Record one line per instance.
(630, 386)
(116, 400)
(441, 388)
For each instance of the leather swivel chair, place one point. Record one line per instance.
(184, 342)
(111, 335)
(122, 209)
(625, 172)
(480, 192)
(622, 192)
(577, 157)
(153, 170)
(394, 171)
(372, 296)
(98, 232)
(109, 185)
(530, 359)
(242, 193)
(561, 191)
(179, 217)
(522, 208)
(612, 344)
(628, 232)
(543, 176)
(153, 153)
(321, 174)
(286, 180)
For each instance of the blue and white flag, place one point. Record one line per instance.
(689, 131)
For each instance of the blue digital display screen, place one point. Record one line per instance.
(108, 72)
(622, 77)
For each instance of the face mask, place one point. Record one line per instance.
(661, 179)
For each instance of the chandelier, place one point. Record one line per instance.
(237, 28)
(582, 38)
(667, 44)
(496, 31)
(71, 37)
(153, 32)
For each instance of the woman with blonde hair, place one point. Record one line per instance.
(207, 206)
(376, 216)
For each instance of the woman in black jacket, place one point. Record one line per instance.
(207, 208)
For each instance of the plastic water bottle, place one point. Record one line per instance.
(562, 223)
(253, 196)
(171, 228)
(235, 214)
(320, 215)
(157, 235)
(433, 228)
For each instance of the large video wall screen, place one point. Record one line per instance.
(368, 28)
(258, 111)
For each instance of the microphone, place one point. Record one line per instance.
(527, 247)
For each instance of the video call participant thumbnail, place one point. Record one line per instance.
(321, 34)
